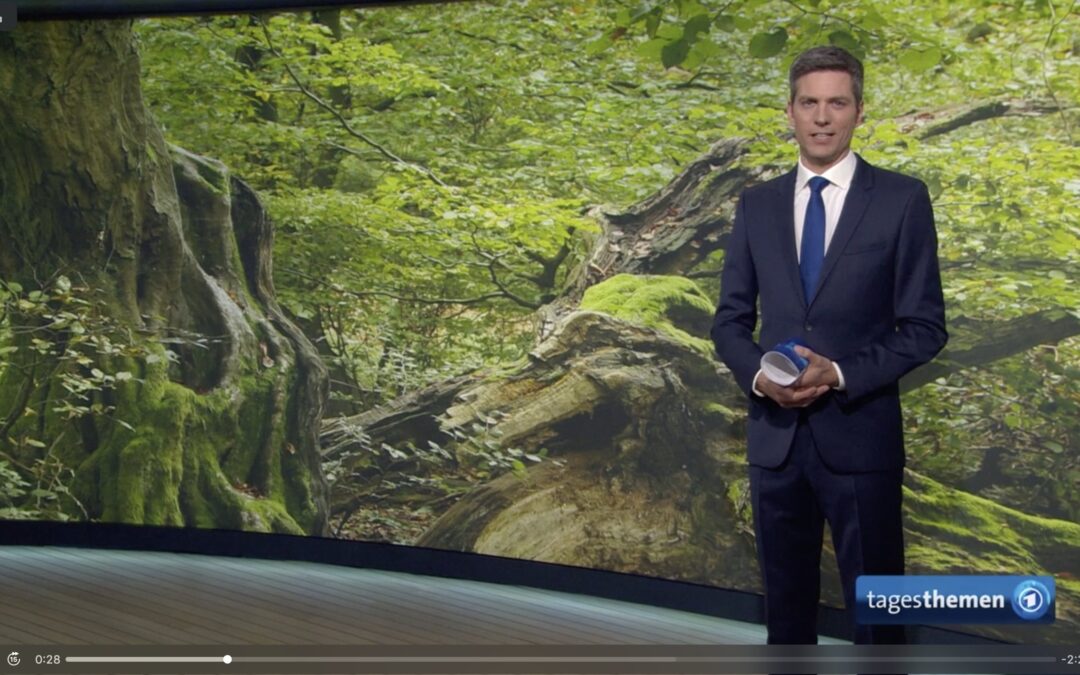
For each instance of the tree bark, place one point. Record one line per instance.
(670, 232)
(215, 423)
(927, 124)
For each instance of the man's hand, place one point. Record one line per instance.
(792, 396)
(820, 371)
(818, 378)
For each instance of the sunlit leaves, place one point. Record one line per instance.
(920, 60)
(265, 142)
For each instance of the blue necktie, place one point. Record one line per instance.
(812, 251)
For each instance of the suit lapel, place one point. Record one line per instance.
(785, 222)
(858, 198)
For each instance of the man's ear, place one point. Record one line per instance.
(791, 116)
(859, 119)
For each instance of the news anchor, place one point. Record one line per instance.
(842, 256)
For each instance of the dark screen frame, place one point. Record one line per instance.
(40, 10)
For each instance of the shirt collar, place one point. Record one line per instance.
(839, 174)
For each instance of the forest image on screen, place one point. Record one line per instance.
(443, 275)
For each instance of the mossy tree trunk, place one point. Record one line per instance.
(165, 375)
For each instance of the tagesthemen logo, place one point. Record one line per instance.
(993, 599)
(1031, 600)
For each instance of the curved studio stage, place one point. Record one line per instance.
(125, 586)
(77, 596)
(96, 583)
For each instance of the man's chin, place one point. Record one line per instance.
(822, 159)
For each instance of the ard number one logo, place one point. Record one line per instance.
(1030, 600)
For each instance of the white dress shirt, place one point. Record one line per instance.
(839, 176)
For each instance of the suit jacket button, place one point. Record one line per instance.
(808, 327)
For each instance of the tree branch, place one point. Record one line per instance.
(506, 291)
(493, 260)
(493, 41)
(978, 343)
(929, 124)
(381, 149)
(404, 298)
(826, 16)
(1036, 264)
(546, 279)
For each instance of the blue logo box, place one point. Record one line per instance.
(954, 599)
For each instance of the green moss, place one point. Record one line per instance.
(296, 475)
(1066, 585)
(241, 453)
(720, 412)
(299, 499)
(953, 528)
(672, 304)
(135, 476)
(187, 459)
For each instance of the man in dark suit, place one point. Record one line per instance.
(843, 256)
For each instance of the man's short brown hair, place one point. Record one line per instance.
(827, 58)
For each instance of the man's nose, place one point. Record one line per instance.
(820, 115)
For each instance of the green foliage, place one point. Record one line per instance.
(484, 243)
(765, 45)
(47, 496)
(940, 39)
(93, 424)
(56, 346)
(12, 490)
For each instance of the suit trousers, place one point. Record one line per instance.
(791, 503)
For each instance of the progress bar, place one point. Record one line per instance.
(561, 659)
(148, 659)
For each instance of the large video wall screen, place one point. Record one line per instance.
(443, 275)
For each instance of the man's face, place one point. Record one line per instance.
(824, 115)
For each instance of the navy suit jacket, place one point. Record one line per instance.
(878, 313)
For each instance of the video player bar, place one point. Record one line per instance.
(562, 659)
